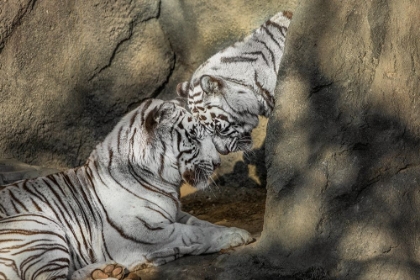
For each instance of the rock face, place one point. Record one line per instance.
(344, 163)
(70, 71)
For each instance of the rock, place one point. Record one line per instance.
(69, 72)
(12, 170)
(343, 144)
(11, 12)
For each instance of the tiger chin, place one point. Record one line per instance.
(232, 88)
(119, 211)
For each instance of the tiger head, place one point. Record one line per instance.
(161, 143)
(228, 109)
(181, 146)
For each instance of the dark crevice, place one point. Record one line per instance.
(16, 23)
(319, 87)
(159, 10)
(132, 23)
(114, 53)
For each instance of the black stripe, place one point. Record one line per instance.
(89, 173)
(272, 37)
(17, 201)
(119, 138)
(85, 197)
(149, 227)
(50, 267)
(162, 159)
(281, 28)
(133, 118)
(196, 94)
(145, 184)
(236, 59)
(273, 56)
(65, 220)
(265, 93)
(163, 215)
(86, 224)
(41, 197)
(29, 232)
(259, 53)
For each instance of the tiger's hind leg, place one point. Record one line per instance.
(32, 246)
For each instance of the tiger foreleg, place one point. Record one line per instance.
(196, 240)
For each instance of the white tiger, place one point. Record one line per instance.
(120, 209)
(228, 91)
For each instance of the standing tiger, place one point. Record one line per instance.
(228, 91)
(120, 209)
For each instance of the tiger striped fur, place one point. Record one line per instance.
(231, 89)
(120, 209)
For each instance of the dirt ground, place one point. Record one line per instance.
(233, 207)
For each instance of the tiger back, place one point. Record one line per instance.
(231, 89)
(119, 210)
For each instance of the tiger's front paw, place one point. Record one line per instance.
(234, 237)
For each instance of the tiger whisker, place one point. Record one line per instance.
(211, 190)
(215, 184)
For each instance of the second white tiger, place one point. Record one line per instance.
(231, 89)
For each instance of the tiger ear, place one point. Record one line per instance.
(182, 89)
(164, 112)
(211, 84)
(158, 115)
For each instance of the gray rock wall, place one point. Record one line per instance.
(70, 71)
(343, 167)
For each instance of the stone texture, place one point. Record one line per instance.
(343, 167)
(70, 71)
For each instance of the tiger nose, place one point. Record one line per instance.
(216, 163)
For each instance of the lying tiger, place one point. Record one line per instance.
(232, 88)
(121, 209)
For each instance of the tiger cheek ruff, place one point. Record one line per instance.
(120, 210)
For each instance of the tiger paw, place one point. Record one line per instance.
(234, 237)
(113, 271)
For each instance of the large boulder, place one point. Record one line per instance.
(344, 143)
(70, 71)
